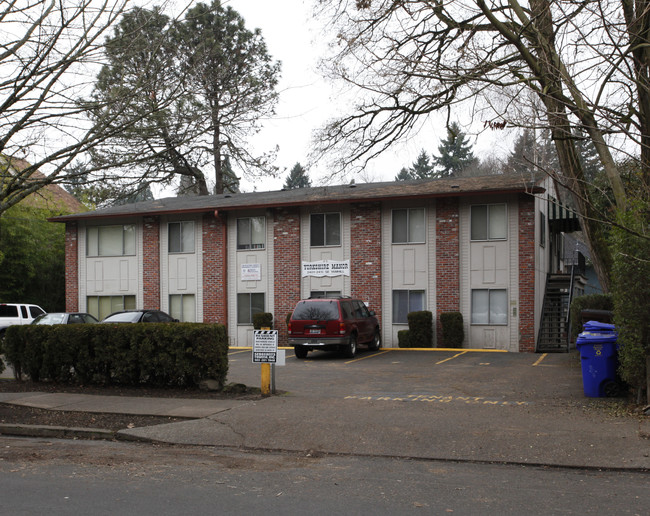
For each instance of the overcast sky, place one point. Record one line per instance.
(307, 100)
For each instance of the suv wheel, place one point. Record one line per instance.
(352, 347)
(300, 351)
(375, 343)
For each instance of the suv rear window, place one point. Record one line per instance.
(316, 311)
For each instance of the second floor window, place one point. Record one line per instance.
(325, 229)
(489, 222)
(181, 237)
(116, 240)
(408, 226)
(250, 233)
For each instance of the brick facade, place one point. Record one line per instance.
(215, 269)
(526, 273)
(286, 259)
(447, 260)
(365, 263)
(71, 267)
(151, 263)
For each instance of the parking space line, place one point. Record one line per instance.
(368, 356)
(451, 358)
(539, 360)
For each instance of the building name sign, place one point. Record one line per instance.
(326, 268)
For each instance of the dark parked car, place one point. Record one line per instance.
(136, 316)
(333, 323)
(65, 318)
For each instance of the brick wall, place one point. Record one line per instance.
(71, 267)
(447, 260)
(365, 263)
(215, 269)
(286, 257)
(526, 273)
(151, 263)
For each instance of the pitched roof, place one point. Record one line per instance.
(50, 196)
(321, 195)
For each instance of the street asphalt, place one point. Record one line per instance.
(457, 405)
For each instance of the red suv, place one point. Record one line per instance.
(333, 323)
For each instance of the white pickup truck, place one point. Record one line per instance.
(14, 313)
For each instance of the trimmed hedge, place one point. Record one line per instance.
(453, 333)
(160, 355)
(262, 320)
(420, 329)
(403, 339)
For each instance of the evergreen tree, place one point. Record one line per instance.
(455, 153)
(297, 178)
(526, 155)
(404, 175)
(421, 168)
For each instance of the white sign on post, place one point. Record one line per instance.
(265, 346)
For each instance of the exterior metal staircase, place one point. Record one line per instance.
(554, 327)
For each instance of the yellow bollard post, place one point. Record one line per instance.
(266, 379)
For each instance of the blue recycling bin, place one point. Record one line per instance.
(599, 359)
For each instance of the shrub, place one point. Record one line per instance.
(160, 355)
(589, 302)
(631, 289)
(453, 333)
(403, 339)
(262, 320)
(421, 329)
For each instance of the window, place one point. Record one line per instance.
(406, 301)
(325, 229)
(181, 237)
(103, 306)
(250, 233)
(408, 226)
(489, 306)
(182, 307)
(488, 222)
(35, 311)
(248, 305)
(110, 240)
(325, 293)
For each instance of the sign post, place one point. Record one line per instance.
(265, 352)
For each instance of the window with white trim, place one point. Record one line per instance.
(406, 301)
(118, 240)
(489, 306)
(182, 307)
(489, 222)
(325, 229)
(103, 306)
(249, 304)
(251, 233)
(408, 226)
(181, 237)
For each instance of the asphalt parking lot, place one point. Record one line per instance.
(423, 376)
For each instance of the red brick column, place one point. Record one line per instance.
(365, 243)
(447, 260)
(71, 267)
(215, 269)
(286, 273)
(526, 273)
(151, 263)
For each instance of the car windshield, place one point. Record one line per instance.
(124, 317)
(316, 311)
(50, 319)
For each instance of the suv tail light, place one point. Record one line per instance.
(289, 328)
(342, 328)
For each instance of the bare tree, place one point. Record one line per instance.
(48, 51)
(587, 63)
